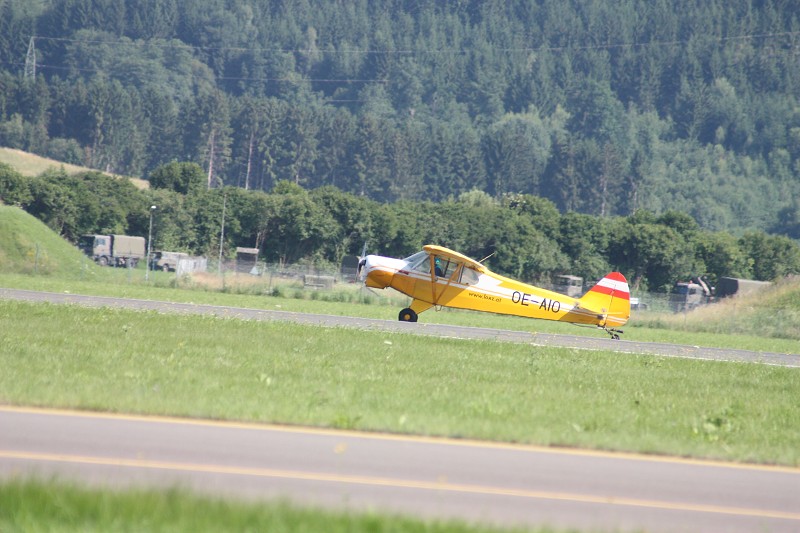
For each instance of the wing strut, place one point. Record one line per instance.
(434, 280)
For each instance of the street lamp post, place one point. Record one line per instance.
(222, 236)
(149, 239)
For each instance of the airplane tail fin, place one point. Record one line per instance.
(610, 299)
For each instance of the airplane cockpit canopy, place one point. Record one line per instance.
(445, 267)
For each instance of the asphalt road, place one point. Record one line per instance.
(428, 478)
(599, 342)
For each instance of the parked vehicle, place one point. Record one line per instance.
(167, 261)
(569, 285)
(686, 295)
(736, 286)
(113, 250)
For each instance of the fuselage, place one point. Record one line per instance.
(465, 287)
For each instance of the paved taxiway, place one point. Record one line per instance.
(428, 478)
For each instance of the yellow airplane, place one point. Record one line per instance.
(437, 276)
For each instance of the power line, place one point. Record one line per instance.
(31, 65)
(401, 51)
(314, 80)
(225, 78)
(275, 80)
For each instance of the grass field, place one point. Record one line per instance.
(143, 362)
(33, 507)
(30, 165)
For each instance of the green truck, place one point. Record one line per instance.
(113, 250)
(737, 286)
(167, 261)
(687, 295)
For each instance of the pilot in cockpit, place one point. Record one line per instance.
(438, 268)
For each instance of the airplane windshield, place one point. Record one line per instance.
(469, 276)
(416, 257)
(418, 261)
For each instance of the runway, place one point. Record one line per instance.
(416, 328)
(428, 478)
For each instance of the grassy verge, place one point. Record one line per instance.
(117, 360)
(45, 507)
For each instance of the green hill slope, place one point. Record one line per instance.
(31, 165)
(28, 246)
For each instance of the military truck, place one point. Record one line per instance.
(686, 295)
(736, 286)
(167, 261)
(113, 250)
(569, 285)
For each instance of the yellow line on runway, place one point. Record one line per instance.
(395, 483)
(398, 438)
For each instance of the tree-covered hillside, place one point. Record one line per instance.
(603, 107)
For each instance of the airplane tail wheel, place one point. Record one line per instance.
(408, 315)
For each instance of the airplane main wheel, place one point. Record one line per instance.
(408, 315)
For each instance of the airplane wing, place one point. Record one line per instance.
(456, 257)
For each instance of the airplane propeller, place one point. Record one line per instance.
(362, 259)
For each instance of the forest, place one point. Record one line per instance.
(525, 235)
(602, 108)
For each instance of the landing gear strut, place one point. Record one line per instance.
(615, 333)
